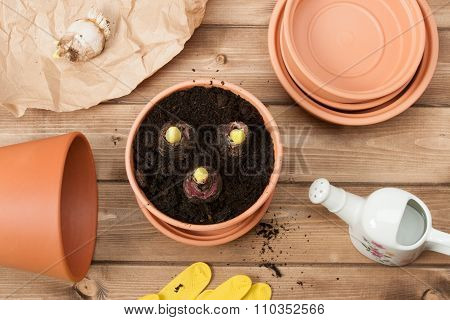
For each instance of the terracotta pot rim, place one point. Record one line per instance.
(75, 276)
(389, 110)
(268, 119)
(347, 95)
(163, 228)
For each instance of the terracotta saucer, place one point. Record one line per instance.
(200, 235)
(289, 63)
(391, 109)
(196, 239)
(354, 50)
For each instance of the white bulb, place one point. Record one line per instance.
(85, 38)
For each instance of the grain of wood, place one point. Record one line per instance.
(298, 282)
(257, 12)
(412, 148)
(234, 12)
(248, 64)
(308, 233)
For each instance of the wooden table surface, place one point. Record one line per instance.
(312, 251)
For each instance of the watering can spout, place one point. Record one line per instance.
(344, 204)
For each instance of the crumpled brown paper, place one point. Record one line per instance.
(145, 36)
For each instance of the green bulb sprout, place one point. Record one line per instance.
(200, 175)
(173, 135)
(202, 185)
(233, 138)
(237, 136)
(175, 140)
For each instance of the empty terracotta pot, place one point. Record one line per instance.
(157, 217)
(48, 206)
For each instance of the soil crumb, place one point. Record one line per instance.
(177, 288)
(270, 231)
(275, 271)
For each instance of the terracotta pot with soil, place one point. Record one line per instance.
(203, 159)
(48, 206)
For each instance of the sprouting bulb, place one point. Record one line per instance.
(202, 185)
(233, 137)
(176, 139)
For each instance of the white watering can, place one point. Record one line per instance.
(391, 226)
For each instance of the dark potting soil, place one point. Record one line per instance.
(244, 178)
(275, 270)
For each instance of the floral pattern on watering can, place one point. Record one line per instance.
(377, 251)
(380, 253)
(373, 250)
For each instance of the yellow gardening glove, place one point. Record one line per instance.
(259, 291)
(234, 288)
(152, 296)
(190, 283)
(185, 286)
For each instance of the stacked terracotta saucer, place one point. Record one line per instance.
(354, 62)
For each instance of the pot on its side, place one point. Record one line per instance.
(48, 206)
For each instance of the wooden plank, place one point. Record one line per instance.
(441, 12)
(298, 282)
(248, 64)
(307, 233)
(412, 148)
(257, 12)
(235, 12)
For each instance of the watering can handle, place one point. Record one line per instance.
(439, 241)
